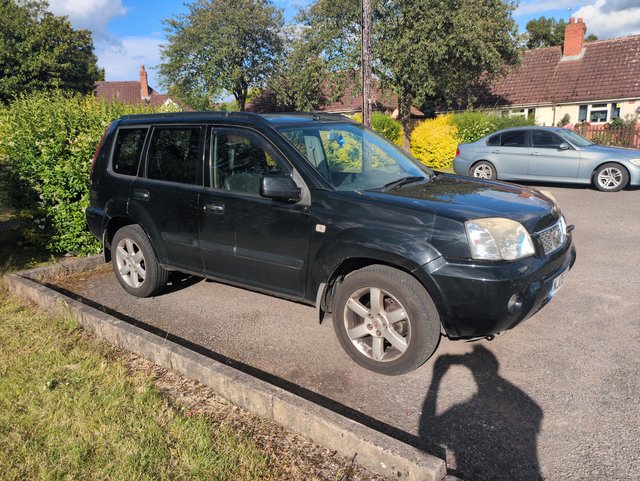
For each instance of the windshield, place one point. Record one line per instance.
(351, 157)
(575, 139)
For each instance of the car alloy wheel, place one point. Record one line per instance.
(610, 178)
(130, 262)
(483, 171)
(377, 324)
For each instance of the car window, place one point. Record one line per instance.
(239, 159)
(174, 154)
(127, 150)
(516, 138)
(351, 157)
(545, 140)
(494, 140)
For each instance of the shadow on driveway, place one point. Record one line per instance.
(494, 434)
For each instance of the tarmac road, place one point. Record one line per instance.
(555, 398)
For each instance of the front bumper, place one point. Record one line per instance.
(473, 298)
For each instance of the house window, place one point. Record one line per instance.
(615, 110)
(531, 114)
(582, 113)
(599, 113)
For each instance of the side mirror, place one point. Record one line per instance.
(564, 146)
(280, 187)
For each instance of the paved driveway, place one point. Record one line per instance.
(556, 398)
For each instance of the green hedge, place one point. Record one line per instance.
(432, 140)
(384, 125)
(47, 141)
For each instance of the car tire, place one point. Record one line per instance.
(484, 170)
(610, 177)
(394, 335)
(135, 262)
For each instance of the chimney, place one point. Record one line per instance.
(574, 38)
(144, 85)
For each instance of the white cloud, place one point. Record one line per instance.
(122, 61)
(93, 15)
(611, 18)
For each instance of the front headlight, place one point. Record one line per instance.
(635, 162)
(496, 238)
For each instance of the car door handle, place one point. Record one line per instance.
(495, 151)
(141, 194)
(214, 207)
(535, 153)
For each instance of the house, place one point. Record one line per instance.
(136, 92)
(593, 82)
(351, 102)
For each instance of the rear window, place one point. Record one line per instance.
(174, 154)
(494, 140)
(517, 138)
(127, 151)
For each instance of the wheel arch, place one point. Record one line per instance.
(113, 225)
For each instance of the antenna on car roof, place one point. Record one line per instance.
(316, 115)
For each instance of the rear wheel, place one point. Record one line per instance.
(610, 177)
(385, 320)
(135, 263)
(484, 170)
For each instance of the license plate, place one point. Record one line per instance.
(558, 283)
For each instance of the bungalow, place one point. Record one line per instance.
(135, 92)
(593, 82)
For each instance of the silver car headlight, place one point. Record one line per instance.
(635, 161)
(496, 238)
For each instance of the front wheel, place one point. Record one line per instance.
(484, 170)
(385, 320)
(135, 263)
(610, 177)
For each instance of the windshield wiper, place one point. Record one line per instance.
(403, 181)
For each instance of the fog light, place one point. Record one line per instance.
(514, 303)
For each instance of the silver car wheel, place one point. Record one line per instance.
(131, 263)
(610, 178)
(377, 324)
(483, 171)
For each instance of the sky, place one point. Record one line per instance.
(128, 33)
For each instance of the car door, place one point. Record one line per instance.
(244, 237)
(512, 155)
(548, 159)
(166, 199)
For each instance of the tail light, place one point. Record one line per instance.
(458, 152)
(95, 156)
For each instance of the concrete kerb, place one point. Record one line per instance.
(378, 452)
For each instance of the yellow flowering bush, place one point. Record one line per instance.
(434, 142)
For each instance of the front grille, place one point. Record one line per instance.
(553, 238)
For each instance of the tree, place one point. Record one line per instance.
(545, 32)
(40, 51)
(221, 46)
(548, 32)
(428, 51)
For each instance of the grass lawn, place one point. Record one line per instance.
(71, 409)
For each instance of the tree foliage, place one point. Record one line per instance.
(548, 32)
(41, 51)
(221, 46)
(428, 51)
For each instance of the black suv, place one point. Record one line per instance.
(318, 209)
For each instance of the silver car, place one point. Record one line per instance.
(549, 154)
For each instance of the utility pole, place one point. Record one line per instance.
(366, 62)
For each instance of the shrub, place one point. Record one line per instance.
(47, 141)
(500, 123)
(389, 128)
(434, 142)
(472, 125)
